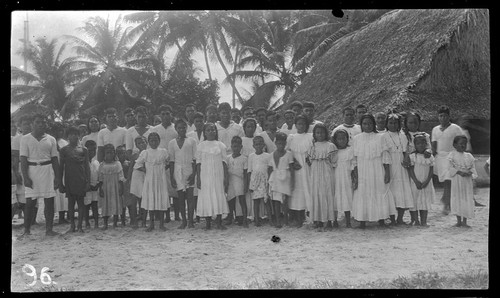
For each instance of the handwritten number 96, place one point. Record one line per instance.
(30, 271)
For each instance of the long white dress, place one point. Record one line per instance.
(211, 196)
(397, 143)
(343, 181)
(281, 177)
(257, 167)
(236, 168)
(248, 149)
(462, 195)
(372, 199)
(322, 156)
(183, 161)
(299, 145)
(422, 198)
(155, 194)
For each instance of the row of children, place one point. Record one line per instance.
(368, 174)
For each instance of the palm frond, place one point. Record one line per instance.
(26, 77)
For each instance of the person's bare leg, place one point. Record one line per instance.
(28, 211)
(190, 207)
(71, 212)
(176, 208)
(49, 216)
(464, 222)
(151, 221)
(256, 213)
(162, 221)
(232, 210)
(446, 196)
(208, 220)
(347, 215)
(105, 226)
(277, 210)
(244, 210)
(81, 211)
(219, 225)
(95, 214)
(115, 221)
(459, 221)
(423, 217)
(182, 208)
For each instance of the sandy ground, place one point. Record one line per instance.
(127, 259)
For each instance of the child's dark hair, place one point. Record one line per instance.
(393, 116)
(270, 113)
(110, 111)
(457, 138)
(249, 120)
(178, 122)
(336, 134)
(258, 138)
(320, 126)
(289, 112)
(190, 105)
(444, 109)
(309, 104)
(296, 103)
(142, 110)
(120, 148)
(347, 109)
(90, 143)
(165, 108)
(205, 128)
(420, 135)
(153, 134)
(280, 136)
(109, 147)
(224, 107)
(369, 116)
(198, 115)
(260, 109)
(128, 111)
(236, 110)
(361, 106)
(236, 140)
(93, 117)
(72, 130)
(302, 117)
(140, 138)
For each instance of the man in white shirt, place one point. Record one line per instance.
(40, 169)
(189, 114)
(309, 109)
(442, 137)
(227, 129)
(167, 132)
(112, 134)
(349, 125)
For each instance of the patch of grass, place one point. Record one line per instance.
(419, 280)
(273, 284)
(53, 288)
(474, 279)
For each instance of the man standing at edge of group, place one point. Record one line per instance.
(167, 132)
(40, 168)
(442, 137)
(189, 114)
(226, 128)
(111, 134)
(308, 109)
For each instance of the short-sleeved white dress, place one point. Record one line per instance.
(299, 144)
(183, 161)
(422, 198)
(155, 196)
(343, 180)
(462, 195)
(281, 176)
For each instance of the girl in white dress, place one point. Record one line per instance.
(155, 197)
(421, 170)
(183, 170)
(237, 167)
(299, 144)
(136, 177)
(372, 200)
(197, 135)
(397, 144)
(92, 196)
(343, 175)
(212, 177)
(461, 170)
(281, 179)
(320, 158)
(258, 175)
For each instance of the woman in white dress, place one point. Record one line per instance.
(373, 200)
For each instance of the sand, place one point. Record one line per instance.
(127, 259)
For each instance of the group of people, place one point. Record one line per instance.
(241, 164)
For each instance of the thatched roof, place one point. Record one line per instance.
(411, 60)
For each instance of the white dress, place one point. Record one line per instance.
(257, 166)
(299, 145)
(183, 161)
(194, 135)
(397, 143)
(372, 199)
(211, 196)
(92, 196)
(236, 167)
(155, 194)
(422, 198)
(281, 177)
(270, 146)
(462, 196)
(343, 181)
(322, 156)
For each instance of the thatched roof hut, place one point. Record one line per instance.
(410, 60)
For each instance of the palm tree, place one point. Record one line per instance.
(46, 87)
(114, 74)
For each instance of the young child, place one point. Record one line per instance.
(211, 166)
(381, 119)
(197, 135)
(349, 124)
(372, 199)
(111, 178)
(397, 144)
(182, 151)
(461, 170)
(237, 165)
(421, 170)
(343, 175)
(75, 176)
(121, 154)
(257, 175)
(281, 178)
(154, 162)
(136, 178)
(92, 196)
(320, 158)
(299, 144)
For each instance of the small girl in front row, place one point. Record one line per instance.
(136, 178)
(461, 170)
(258, 175)
(343, 175)
(321, 157)
(111, 178)
(92, 196)
(281, 179)
(154, 162)
(237, 165)
(421, 170)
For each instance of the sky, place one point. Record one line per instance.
(52, 24)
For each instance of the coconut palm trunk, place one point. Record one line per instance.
(217, 54)
(206, 61)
